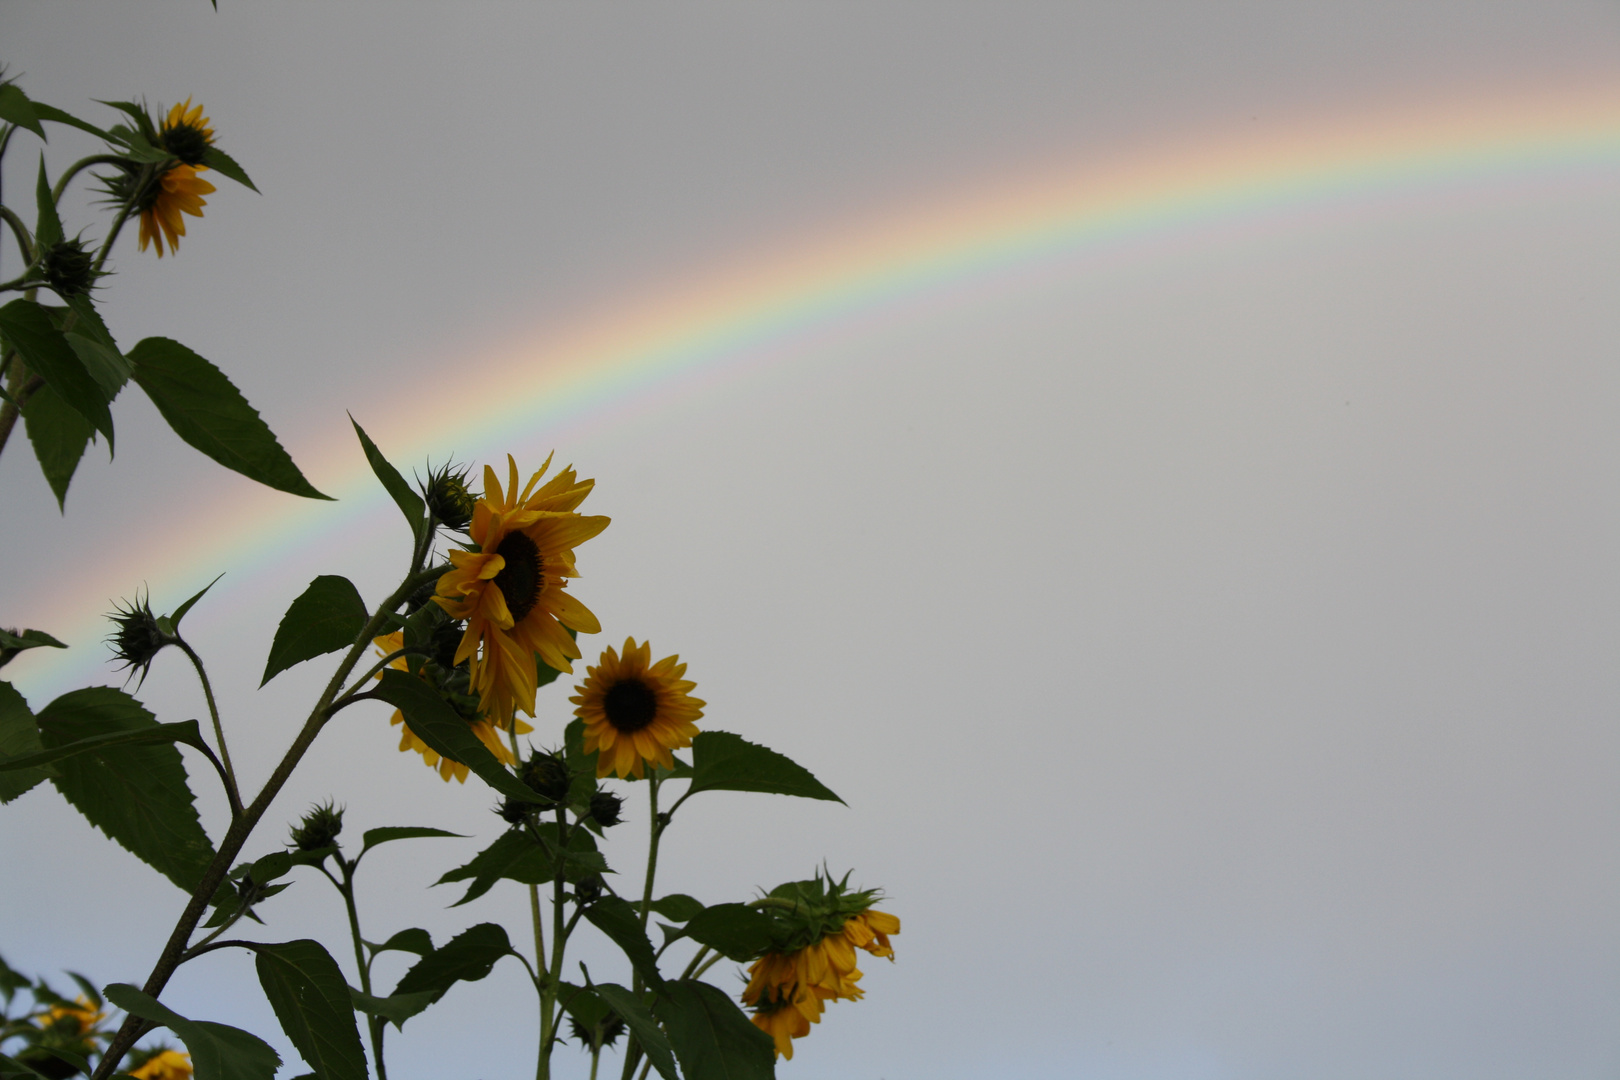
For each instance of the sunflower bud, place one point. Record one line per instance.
(512, 811)
(548, 775)
(606, 808)
(605, 1033)
(137, 637)
(448, 498)
(319, 828)
(68, 268)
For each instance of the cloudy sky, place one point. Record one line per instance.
(1212, 632)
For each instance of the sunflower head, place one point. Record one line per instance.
(636, 711)
(319, 828)
(68, 268)
(160, 1063)
(137, 636)
(606, 809)
(447, 497)
(185, 133)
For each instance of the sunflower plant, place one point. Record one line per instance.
(462, 656)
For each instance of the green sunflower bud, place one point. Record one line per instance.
(603, 1034)
(606, 808)
(137, 637)
(448, 498)
(319, 828)
(68, 268)
(512, 811)
(548, 775)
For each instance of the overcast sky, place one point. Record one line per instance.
(1216, 650)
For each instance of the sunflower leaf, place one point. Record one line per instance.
(134, 791)
(639, 1019)
(514, 856)
(311, 999)
(28, 639)
(15, 108)
(19, 738)
(325, 618)
(446, 733)
(48, 227)
(218, 1051)
(711, 1035)
(185, 732)
(735, 930)
(225, 165)
(93, 342)
(397, 1008)
(180, 612)
(59, 435)
(409, 502)
(206, 410)
(469, 956)
(585, 1006)
(678, 907)
(617, 918)
(415, 940)
(722, 761)
(55, 115)
(373, 837)
(28, 328)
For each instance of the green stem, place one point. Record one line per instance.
(242, 827)
(112, 234)
(78, 167)
(346, 887)
(25, 242)
(231, 788)
(655, 832)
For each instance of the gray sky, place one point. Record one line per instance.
(1216, 649)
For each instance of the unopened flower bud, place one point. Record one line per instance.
(448, 498)
(68, 268)
(137, 638)
(606, 808)
(319, 828)
(548, 775)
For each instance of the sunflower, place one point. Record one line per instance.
(166, 1064)
(180, 190)
(185, 133)
(512, 590)
(786, 989)
(487, 730)
(73, 1019)
(634, 712)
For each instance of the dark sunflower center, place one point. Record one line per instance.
(523, 576)
(185, 142)
(630, 705)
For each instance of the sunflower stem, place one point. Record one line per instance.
(112, 234)
(346, 888)
(25, 242)
(655, 827)
(79, 166)
(231, 788)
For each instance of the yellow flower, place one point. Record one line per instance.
(483, 727)
(185, 133)
(512, 590)
(75, 1020)
(635, 711)
(165, 1065)
(180, 191)
(786, 990)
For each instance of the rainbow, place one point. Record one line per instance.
(1144, 205)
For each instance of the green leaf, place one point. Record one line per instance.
(513, 856)
(180, 612)
(677, 907)
(722, 761)
(398, 1008)
(15, 108)
(52, 113)
(207, 411)
(617, 918)
(28, 639)
(135, 793)
(325, 618)
(311, 999)
(12, 1069)
(19, 737)
(373, 837)
(735, 930)
(445, 732)
(639, 1019)
(415, 940)
(410, 504)
(59, 435)
(186, 731)
(137, 113)
(580, 858)
(469, 956)
(225, 165)
(28, 328)
(218, 1051)
(48, 228)
(93, 343)
(712, 1036)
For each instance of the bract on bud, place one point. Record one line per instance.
(137, 637)
(448, 498)
(68, 267)
(319, 828)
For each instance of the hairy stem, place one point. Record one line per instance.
(231, 788)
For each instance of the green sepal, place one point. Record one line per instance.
(639, 1019)
(19, 738)
(311, 999)
(29, 329)
(722, 761)
(48, 226)
(446, 733)
(617, 918)
(711, 1035)
(218, 1051)
(15, 108)
(396, 1008)
(134, 791)
(207, 411)
(326, 617)
(222, 163)
(467, 957)
(409, 502)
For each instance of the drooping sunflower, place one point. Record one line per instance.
(636, 711)
(487, 729)
(786, 989)
(180, 190)
(166, 1064)
(513, 590)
